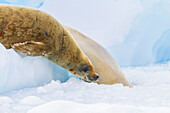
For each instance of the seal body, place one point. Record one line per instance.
(35, 33)
(104, 64)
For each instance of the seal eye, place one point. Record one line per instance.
(85, 69)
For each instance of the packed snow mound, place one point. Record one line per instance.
(161, 49)
(150, 94)
(29, 3)
(72, 107)
(18, 71)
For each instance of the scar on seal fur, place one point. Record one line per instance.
(104, 64)
(35, 33)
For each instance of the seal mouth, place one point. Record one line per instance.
(94, 79)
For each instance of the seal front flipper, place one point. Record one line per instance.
(32, 48)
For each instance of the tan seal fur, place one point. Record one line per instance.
(104, 64)
(35, 33)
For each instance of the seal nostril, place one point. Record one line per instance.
(96, 76)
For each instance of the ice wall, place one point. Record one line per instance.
(29, 3)
(161, 49)
(18, 71)
(148, 39)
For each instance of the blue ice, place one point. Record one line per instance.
(161, 49)
(29, 3)
(17, 72)
(148, 41)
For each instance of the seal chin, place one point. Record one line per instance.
(94, 78)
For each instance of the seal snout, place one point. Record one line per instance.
(93, 78)
(96, 76)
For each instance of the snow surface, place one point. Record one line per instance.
(59, 106)
(150, 94)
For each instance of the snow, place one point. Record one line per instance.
(59, 106)
(150, 93)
